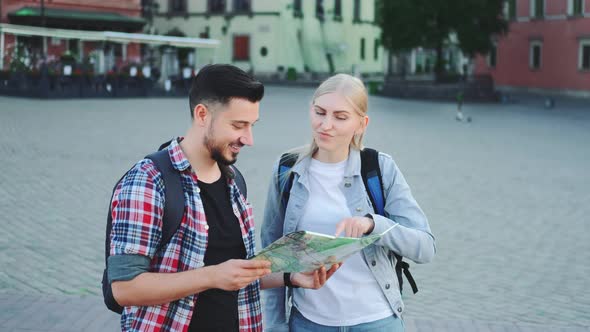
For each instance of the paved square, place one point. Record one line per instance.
(507, 196)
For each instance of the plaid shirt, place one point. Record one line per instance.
(137, 208)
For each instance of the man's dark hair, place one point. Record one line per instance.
(219, 83)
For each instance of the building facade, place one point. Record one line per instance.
(547, 48)
(88, 15)
(280, 37)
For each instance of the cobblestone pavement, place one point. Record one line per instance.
(30, 313)
(507, 197)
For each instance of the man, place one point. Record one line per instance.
(200, 280)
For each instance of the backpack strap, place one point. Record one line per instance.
(285, 183)
(371, 174)
(173, 196)
(240, 182)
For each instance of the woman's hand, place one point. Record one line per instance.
(314, 279)
(355, 226)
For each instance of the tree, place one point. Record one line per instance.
(406, 24)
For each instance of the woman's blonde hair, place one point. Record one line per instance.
(353, 90)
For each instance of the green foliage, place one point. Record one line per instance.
(18, 60)
(67, 58)
(475, 34)
(407, 24)
(182, 52)
(291, 74)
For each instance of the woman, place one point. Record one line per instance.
(327, 195)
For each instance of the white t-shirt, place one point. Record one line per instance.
(352, 295)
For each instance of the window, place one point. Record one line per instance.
(578, 6)
(337, 9)
(362, 48)
(575, 7)
(537, 8)
(319, 9)
(357, 11)
(216, 6)
(492, 56)
(116, 48)
(584, 62)
(510, 10)
(535, 55)
(34, 43)
(241, 48)
(177, 6)
(376, 50)
(205, 34)
(297, 12)
(242, 6)
(73, 46)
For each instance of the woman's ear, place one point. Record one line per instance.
(364, 124)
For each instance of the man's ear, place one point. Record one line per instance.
(200, 114)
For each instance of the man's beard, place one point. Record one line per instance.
(216, 150)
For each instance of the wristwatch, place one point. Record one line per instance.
(287, 280)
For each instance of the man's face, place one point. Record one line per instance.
(230, 128)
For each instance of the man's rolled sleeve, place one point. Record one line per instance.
(126, 267)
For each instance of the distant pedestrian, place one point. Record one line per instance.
(459, 116)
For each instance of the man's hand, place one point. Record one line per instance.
(355, 226)
(236, 274)
(314, 279)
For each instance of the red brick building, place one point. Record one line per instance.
(86, 15)
(547, 47)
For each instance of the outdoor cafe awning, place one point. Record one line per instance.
(109, 36)
(75, 19)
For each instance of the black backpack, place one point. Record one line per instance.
(173, 212)
(371, 174)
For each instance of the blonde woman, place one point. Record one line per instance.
(327, 195)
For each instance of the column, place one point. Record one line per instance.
(1, 49)
(124, 51)
(44, 45)
(413, 61)
(195, 62)
(81, 50)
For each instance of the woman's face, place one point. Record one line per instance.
(334, 122)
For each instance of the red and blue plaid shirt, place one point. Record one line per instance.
(137, 208)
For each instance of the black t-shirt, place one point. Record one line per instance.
(216, 309)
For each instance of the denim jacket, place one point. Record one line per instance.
(412, 238)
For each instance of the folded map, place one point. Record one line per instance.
(304, 251)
